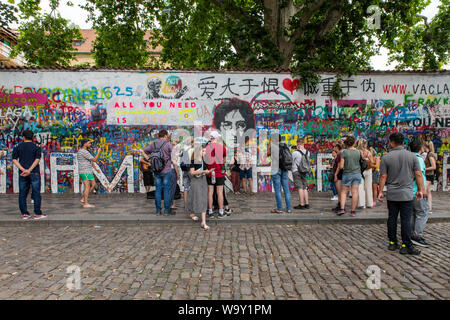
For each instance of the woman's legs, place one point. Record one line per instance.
(430, 199)
(343, 196)
(354, 189)
(360, 195)
(374, 192)
(368, 188)
(339, 190)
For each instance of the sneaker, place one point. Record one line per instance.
(374, 205)
(170, 213)
(40, 216)
(299, 207)
(420, 242)
(340, 212)
(221, 215)
(228, 212)
(158, 213)
(26, 216)
(210, 215)
(409, 250)
(306, 206)
(352, 213)
(334, 198)
(393, 246)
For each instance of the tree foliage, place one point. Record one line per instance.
(120, 28)
(303, 35)
(8, 14)
(45, 39)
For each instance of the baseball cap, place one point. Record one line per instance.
(215, 134)
(83, 142)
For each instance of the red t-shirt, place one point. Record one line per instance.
(215, 158)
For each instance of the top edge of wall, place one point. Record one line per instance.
(124, 69)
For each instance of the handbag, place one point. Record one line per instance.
(363, 165)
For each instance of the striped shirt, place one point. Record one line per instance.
(84, 162)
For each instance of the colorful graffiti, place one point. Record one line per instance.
(122, 112)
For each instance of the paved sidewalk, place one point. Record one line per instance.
(227, 262)
(132, 209)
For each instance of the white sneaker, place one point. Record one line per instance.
(334, 198)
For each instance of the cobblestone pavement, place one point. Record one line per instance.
(227, 262)
(120, 206)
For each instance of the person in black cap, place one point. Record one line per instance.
(85, 170)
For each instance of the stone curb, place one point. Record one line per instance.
(138, 221)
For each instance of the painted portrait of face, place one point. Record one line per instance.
(234, 118)
(154, 87)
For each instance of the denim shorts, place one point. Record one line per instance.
(351, 179)
(246, 174)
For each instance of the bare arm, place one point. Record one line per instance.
(433, 164)
(35, 163)
(194, 172)
(143, 154)
(383, 178)
(341, 163)
(95, 159)
(17, 164)
(420, 184)
(177, 170)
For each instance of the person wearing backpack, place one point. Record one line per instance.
(280, 165)
(159, 154)
(300, 169)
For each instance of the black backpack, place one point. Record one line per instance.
(285, 157)
(304, 166)
(157, 160)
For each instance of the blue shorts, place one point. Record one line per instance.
(246, 174)
(351, 179)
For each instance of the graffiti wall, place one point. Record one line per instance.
(121, 112)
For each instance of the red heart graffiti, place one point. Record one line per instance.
(290, 85)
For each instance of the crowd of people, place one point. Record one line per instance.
(357, 171)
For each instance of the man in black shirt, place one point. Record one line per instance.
(26, 156)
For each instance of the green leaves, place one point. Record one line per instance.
(121, 27)
(304, 35)
(46, 40)
(8, 14)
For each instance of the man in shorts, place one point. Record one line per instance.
(215, 159)
(245, 160)
(86, 171)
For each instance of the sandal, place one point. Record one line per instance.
(194, 217)
(276, 211)
(205, 227)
